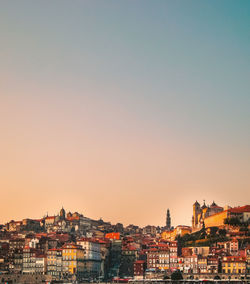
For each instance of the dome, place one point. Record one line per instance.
(69, 215)
(214, 204)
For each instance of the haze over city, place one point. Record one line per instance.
(122, 109)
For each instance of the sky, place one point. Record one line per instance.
(123, 109)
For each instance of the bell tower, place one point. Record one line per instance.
(168, 220)
(196, 211)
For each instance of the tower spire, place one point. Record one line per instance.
(168, 220)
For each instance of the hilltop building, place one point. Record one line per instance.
(200, 213)
(215, 216)
(67, 222)
(180, 230)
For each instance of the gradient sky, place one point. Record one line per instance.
(122, 109)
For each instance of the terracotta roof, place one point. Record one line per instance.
(40, 255)
(234, 259)
(41, 235)
(50, 217)
(153, 249)
(71, 245)
(69, 218)
(241, 209)
(55, 249)
(139, 261)
(91, 240)
(163, 246)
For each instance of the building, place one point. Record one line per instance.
(114, 258)
(6, 261)
(16, 243)
(31, 225)
(33, 243)
(40, 264)
(34, 262)
(54, 263)
(92, 257)
(241, 213)
(248, 259)
(49, 222)
(201, 251)
(173, 250)
(215, 216)
(149, 230)
(234, 265)
(129, 255)
(73, 260)
(139, 269)
(200, 213)
(168, 235)
(153, 262)
(231, 247)
(13, 226)
(190, 264)
(105, 251)
(161, 257)
(16, 260)
(216, 220)
(202, 264)
(179, 230)
(186, 251)
(113, 236)
(212, 264)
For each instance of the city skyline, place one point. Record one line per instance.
(121, 110)
(162, 224)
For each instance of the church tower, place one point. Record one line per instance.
(62, 214)
(168, 220)
(196, 212)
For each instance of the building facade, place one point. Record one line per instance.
(73, 260)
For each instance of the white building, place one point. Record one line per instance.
(92, 257)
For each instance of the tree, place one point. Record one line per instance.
(222, 232)
(176, 275)
(213, 231)
(233, 221)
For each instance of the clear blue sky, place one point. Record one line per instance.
(146, 98)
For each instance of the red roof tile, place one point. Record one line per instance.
(241, 209)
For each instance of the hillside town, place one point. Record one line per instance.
(72, 247)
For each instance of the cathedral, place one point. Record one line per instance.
(202, 212)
